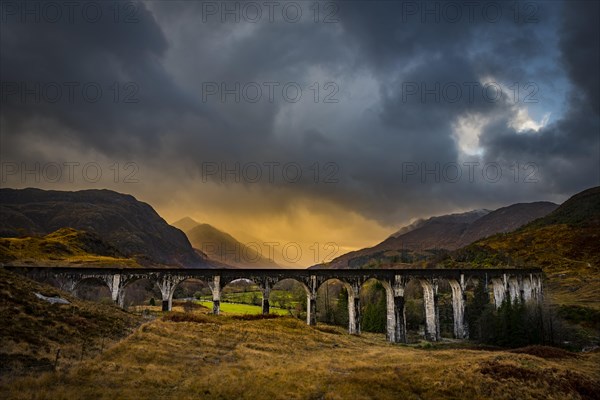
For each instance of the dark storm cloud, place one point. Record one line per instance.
(40, 56)
(580, 34)
(373, 52)
(568, 150)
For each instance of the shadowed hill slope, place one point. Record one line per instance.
(564, 243)
(129, 225)
(425, 239)
(505, 219)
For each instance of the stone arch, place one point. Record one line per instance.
(349, 287)
(292, 279)
(196, 278)
(390, 329)
(253, 280)
(353, 302)
(225, 283)
(304, 285)
(412, 309)
(96, 279)
(127, 282)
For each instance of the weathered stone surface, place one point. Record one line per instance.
(459, 300)
(432, 318)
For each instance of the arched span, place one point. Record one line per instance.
(285, 301)
(129, 281)
(390, 330)
(304, 286)
(98, 280)
(225, 283)
(353, 304)
(264, 290)
(347, 285)
(213, 290)
(95, 279)
(191, 278)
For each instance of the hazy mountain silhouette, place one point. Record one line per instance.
(222, 247)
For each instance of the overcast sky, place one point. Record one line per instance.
(299, 121)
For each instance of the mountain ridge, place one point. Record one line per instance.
(222, 246)
(441, 233)
(131, 226)
(564, 243)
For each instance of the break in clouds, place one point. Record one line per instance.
(381, 111)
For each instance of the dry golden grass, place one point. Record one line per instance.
(197, 355)
(568, 255)
(33, 330)
(65, 247)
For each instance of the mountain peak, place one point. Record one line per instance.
(426, 237)
(131, 226)
(185, 224)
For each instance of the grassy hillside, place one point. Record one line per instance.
(192, 355)
(568, 255)
(131, 226)
(414, 245)
(65, 247)
(32, 330)
(565, 244)
(583, 209)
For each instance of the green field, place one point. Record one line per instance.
(278, 298)
(232, 308)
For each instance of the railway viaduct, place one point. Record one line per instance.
(523, 284)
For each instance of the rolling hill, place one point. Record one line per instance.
(131, 227)
(426, 239)
(64, 247)
(222, 247)
(564, 243)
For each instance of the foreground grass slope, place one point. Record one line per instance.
(64, 247)
(194, 355)
(32, 330)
